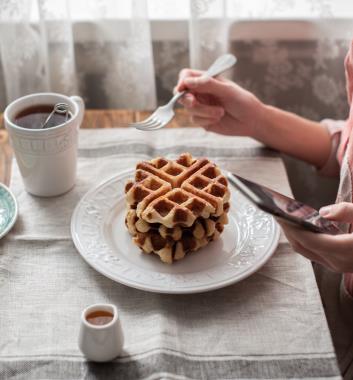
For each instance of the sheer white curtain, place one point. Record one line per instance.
(39, 50)
(211, 21)
(103, 50)
(209, 27)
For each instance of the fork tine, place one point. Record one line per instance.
(149, 127)
(148, 123)
(154, 127)
(142, 122)
(161, 122)
(135, 125)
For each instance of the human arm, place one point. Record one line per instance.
(334, 252)
(294, 135)
(222, 106)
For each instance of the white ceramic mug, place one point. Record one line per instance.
(101, 343)
(46, 157)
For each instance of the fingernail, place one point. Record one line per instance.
(325, 211)
(190, 81)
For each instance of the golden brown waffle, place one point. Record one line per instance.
(173, 171)
(177, 192)
(170, 250)
(145, 189)
(211, 185)
(201, 228)
(176, 206)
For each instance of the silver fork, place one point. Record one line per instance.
(164, 114)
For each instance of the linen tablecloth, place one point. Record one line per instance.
(269, 326)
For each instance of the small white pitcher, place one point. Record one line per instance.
(46, 157)
(101, 343)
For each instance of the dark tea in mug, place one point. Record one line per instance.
(34, 117)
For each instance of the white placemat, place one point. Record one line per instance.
(271, 325)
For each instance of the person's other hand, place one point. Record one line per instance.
(219, 105)
(334, 252)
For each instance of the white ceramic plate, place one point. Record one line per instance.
(99, 233)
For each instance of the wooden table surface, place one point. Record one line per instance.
(93, 119)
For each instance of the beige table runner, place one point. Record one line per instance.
(269, 326)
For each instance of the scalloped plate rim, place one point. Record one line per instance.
(14, 214)
(152, 288)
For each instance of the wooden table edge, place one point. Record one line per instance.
(113, 118)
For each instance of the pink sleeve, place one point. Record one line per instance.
(332, 168)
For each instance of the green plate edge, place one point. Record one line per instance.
(7, 197)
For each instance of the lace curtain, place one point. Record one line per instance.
(103, 50)
(39, 51)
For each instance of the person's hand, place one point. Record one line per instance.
(219, 105)
(334, 252)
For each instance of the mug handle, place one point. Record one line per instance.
(81, 108)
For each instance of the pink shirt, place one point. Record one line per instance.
(342, 151)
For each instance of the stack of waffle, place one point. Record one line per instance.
(176, 206)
